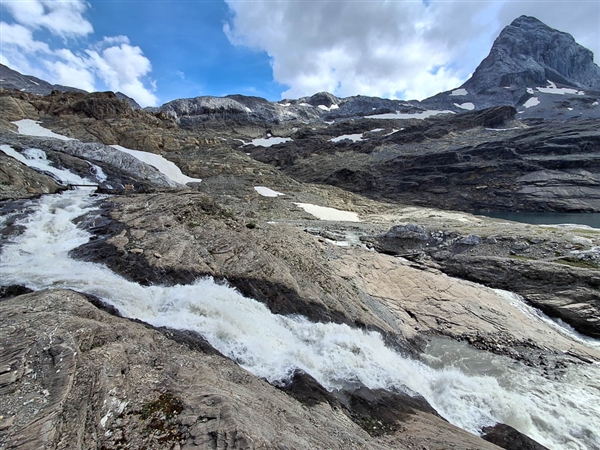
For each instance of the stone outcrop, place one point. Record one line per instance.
(463, 161)
(19, 181)
(555, 278)
(122, 168)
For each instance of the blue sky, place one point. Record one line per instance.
(156, 51)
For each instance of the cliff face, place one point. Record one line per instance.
(528, 53)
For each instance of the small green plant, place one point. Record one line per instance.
(193, 224)
(166, 404)
(582, 264)
(374, 427)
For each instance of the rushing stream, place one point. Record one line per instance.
(469, 388)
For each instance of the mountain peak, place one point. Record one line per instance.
(527, 20)
(528, 53)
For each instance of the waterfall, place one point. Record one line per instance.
(469, 388)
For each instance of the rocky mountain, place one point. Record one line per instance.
(11, 79)
(237, 273)
(319, 108)
(531, 64)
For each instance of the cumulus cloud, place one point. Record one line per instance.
(59, 17)
(390, 49)
(111, 63)
(122, 68)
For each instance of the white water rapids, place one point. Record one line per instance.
(471, 389)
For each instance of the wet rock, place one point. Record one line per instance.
(507, 437)
(410, 231)
(19, 181)
(82, 375)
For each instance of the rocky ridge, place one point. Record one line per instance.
(530, 64)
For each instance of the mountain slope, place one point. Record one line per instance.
(530, 60)
(11, 79)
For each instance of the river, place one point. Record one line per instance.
(468, 387)
(546, 218)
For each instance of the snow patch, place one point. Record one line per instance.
(552, 89)
(533, 101)
(163, 165)
(326, 213)
(399, 115)
(268, 142)
(328, 108)
(530, 91)
(352, 137)
(459, 92)
(468, 106)
(30, 127)
(266, 192)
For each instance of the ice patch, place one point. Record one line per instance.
(459, 92)
(533, 101)
(164, 166)
(399, 115)
(98, 172)
(326, 213)
(268, 142)
(530, 91)
(325, 108)
(352, 137)
(266, 192)
(36, 159)
(552, 89)
(30, 127)
(468, 106)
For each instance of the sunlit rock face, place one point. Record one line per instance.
(527, 53)
(528, 63)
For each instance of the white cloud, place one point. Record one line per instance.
(15, 35)
(69, 75)
(62, 18)
(391, 49)
(113, 61)
(122, 68)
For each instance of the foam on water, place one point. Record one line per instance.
(556, 324)
(36, 159)
(560, 415)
